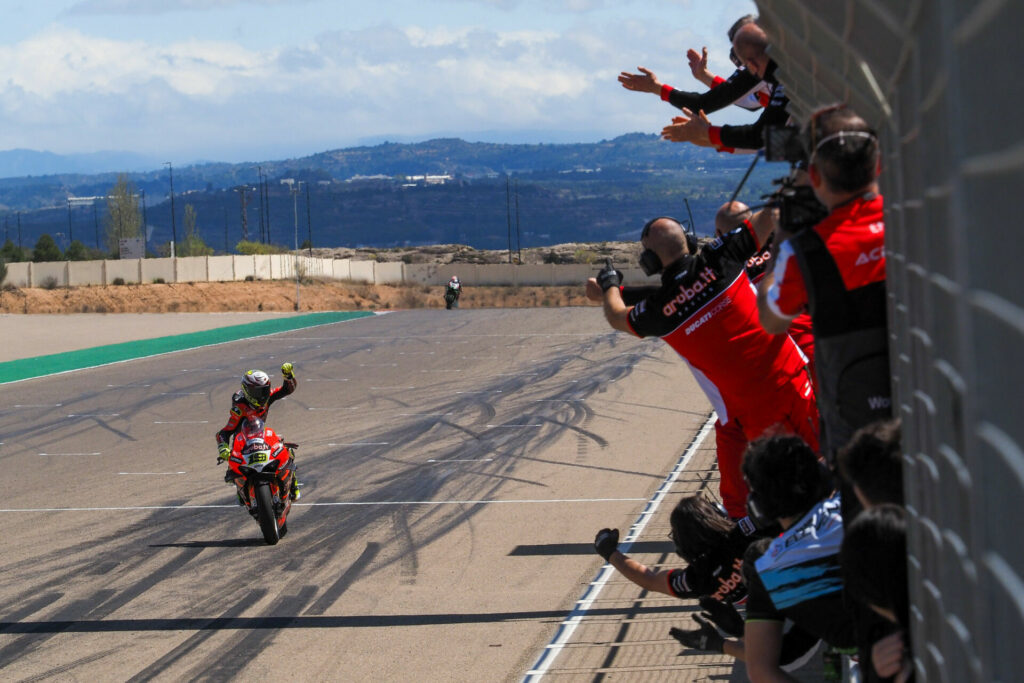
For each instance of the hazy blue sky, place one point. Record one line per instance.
(255, 79)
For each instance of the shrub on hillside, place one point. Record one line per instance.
(249, 248)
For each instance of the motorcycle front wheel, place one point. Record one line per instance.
(265, 514)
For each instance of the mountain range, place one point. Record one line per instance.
(485, 195)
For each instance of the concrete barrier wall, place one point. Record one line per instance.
(342, 269)
(47, 274)
(282, 266)
(18, 274)
(126, 270)
(82, 272)
(262, 266)
(191, 269)
(221, 268)
(361, 271)
(245, 266)
(388, 273)
(157, 269)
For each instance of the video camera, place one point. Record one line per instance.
(798, 207)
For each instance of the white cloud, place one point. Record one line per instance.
(142, 7)
(68, 91)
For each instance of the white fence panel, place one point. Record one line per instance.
(83, 273)
(126, 270)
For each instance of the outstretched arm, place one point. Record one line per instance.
(699, 66)
(645, 81)
(689, 128)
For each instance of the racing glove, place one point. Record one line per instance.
(606, 542)
(722, 615)
(288, 370)
(705, 638)
(608, 277)
(223, 451)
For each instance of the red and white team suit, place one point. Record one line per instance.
(706, 309)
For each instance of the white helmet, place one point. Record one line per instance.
(256, 388)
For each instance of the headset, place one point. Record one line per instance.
(649, 261)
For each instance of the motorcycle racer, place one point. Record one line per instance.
(254, 435)
(452, 292)
(254, 401)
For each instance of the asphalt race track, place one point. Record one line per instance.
(457, 465)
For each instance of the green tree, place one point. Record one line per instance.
(77, 251)
(46, 250)
(193, 244)
(12, 253)
(122, 219)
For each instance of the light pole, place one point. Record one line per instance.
(295, 256)
(174, 229)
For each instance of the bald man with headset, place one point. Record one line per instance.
(706, 309)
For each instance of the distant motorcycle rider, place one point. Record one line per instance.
(452, 292)
(254, 401)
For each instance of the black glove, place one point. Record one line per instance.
(705, 638)
(722, 615)
(606, 542)
(608, 277)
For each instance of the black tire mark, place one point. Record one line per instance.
(32, 641)
(196, 639)
(331, 595)
(225, 664)
(32, 607)
(88, 659)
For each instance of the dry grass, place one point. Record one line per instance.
(274, 296)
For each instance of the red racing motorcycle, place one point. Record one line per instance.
(262, 466)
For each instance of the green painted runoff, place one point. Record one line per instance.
(39, 366)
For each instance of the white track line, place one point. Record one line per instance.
(565, 631)
(69, 453)
(362, 443)
(181, 422)
(234, 505)
(152, 473)
(424, 414)
(510, 426)
(462, 460)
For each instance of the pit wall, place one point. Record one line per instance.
(283, 267)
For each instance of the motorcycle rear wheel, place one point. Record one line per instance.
(265, 514)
